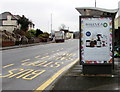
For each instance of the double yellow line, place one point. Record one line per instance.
(49, 81)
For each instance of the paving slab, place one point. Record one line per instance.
(74, 80)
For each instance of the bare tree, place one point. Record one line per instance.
(62, 27)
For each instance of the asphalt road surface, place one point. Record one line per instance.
(32, 67)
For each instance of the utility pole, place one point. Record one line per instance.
(51, 22)
(51, 25)
(95, 3)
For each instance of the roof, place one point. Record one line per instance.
(70, 32)
(17, 16)
(4, 15)
(96, 11)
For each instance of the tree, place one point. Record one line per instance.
(38, 32)
(28, 35)
(45, 35)
(33, 32)
(24, 22)
(62, 27)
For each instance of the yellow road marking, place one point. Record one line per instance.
(47, 64)
(35, 73)
(21, 70)
(7, 65)
(30, 70)
(37, 56)
(62, 58)
(72, 54)
(44, 57)
(57, 58)
(49, 81)
(25, 60)
(41, 63)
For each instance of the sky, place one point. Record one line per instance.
(62, 11)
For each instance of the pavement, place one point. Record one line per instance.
(74, 81)
(24, 45)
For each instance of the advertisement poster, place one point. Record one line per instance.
(96, 40)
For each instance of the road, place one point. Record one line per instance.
(30, 68)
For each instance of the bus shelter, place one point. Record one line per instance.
(96, 39)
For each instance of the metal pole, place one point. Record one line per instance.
(95, 3)
(51, 22)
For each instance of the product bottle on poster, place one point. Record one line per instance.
(98, 41)
(95, 43)
(92, 43)
(87, 43)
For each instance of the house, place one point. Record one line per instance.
(117, 27)
(117, 31)
(69, 35)
(117, 22)
(8, 21)
(65, 31)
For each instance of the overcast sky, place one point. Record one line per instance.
(63, 11)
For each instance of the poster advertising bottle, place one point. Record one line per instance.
(96, 46)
